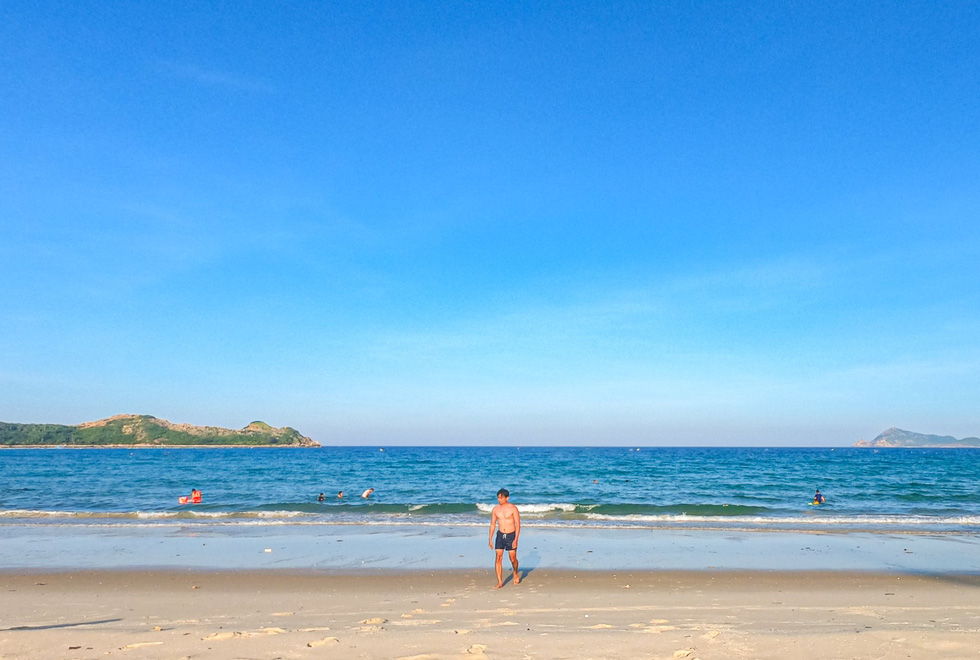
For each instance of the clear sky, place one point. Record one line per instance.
(626, 223)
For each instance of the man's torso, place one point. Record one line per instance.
(505, 518)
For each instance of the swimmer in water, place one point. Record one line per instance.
(366, 494)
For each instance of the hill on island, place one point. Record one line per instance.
(145, 430)
(900, 438)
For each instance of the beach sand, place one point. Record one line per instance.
(176, 614)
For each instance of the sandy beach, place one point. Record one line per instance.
(401, 591)
(457, 614)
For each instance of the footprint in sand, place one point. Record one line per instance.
(283, 613)
(600, 626)
(374, 622)
(449, 601)
(477, 649)
(418, 622)
(711, 634)
(322, 642)
(683, 653)
(658, 629)
(218, 637)
(139, 645)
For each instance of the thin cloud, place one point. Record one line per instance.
(209, 77)
(913, 370)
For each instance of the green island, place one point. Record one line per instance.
(901, 438)
(147, 431)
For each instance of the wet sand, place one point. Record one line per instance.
(457, 614)
(51, 546)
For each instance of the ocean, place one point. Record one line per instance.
(934, 491)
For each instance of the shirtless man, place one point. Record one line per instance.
(507, 519)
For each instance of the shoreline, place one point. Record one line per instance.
(432, 615)
(300, 578)
(202, 546)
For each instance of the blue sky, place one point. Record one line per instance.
(494, 223)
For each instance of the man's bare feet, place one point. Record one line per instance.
(499, 585)
(517, 578)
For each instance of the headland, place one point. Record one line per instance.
(895, 437)
(147, 431)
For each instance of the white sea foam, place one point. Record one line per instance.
(884, 521)
(532, 509)
(247, 514)
(155, 515)
(535, 513)
(23, 513)
(871, 525)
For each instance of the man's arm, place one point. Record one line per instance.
(493, 524)
(517, 527)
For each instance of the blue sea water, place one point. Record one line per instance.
(751, 489)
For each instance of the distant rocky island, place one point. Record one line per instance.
(147, 431)
(899, 438)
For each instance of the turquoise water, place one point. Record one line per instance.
(929, 490)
